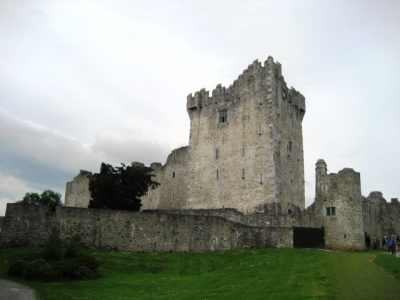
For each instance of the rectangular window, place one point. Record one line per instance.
(216, 153)
(217, 175)
(243, 173)
(243, 151)
(331, 211)
(291, 175)
(223, 116)
(259, 131)
(173, 174)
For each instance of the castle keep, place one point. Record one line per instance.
(239, 183)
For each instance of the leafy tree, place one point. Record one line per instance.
(120, 187)
(48, 197)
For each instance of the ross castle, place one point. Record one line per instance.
(239, 183)
(245, 149)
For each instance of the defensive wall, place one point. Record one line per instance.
(148, 231)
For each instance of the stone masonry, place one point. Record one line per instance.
(77, 193)
(151, 231)
(243, 165)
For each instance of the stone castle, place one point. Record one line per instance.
(239, 183)
(245, 149)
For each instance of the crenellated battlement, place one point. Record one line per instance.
(264, 75)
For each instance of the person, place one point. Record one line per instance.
(392, 244)
(385, 243)
(374, 242)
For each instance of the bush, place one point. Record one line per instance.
(82, 267)
(52, 248)
(39, 269)
(17, 269)
(49, 265)
(74, 247)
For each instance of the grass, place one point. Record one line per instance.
(234, 274)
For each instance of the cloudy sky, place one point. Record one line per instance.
(85, 82)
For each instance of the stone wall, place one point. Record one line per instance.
(381, 218)
(271, 216)
(172, 176)
(77, 193)
(151, 231)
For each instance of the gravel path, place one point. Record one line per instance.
(10, 290)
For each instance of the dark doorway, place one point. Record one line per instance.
(304, 237)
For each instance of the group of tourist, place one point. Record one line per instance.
(390, 244)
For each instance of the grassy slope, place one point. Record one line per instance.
(235, 274)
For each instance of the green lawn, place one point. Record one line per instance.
(234, 274)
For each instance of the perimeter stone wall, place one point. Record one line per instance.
(29, 225)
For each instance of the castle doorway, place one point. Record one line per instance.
(305, 237)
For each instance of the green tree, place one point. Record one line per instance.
(120, 187)
(48, 197)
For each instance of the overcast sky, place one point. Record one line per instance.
(85, 82)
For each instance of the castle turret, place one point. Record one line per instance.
(339, 208)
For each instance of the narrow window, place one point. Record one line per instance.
(289, 147)
(173, 196)
(259, 130)
(291, 175)
(217, 174)
(173, 174)
(223, 116)
(333, 211)
(216, 153)
(289, 211)
(328, 211)
(243, 151)
(174, 157)
(344, 236)
(261, 178)
(243, 173)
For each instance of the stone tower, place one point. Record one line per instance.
(338, 208)
(246, 143)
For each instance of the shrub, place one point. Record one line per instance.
(52, 248)
(74, 247)
(82, 267)
(39, 269)
(17, 269)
